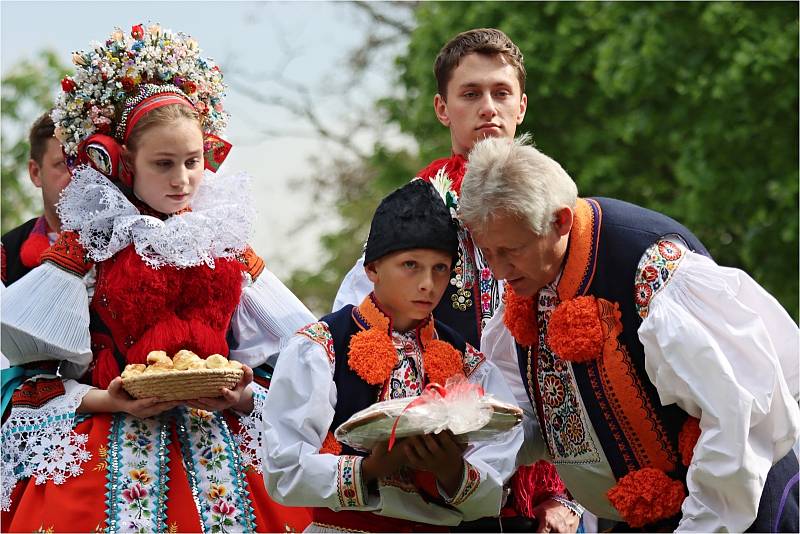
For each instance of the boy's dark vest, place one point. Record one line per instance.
(617, 237)
(13, 268)
(354, 393)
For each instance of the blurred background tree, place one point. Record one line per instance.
(28, 89)
(690, 109)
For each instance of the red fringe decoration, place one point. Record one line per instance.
(31, 251)
(574, 332)
(687, 439)
(456, 167)
(330, 446)
(520, 318)
(442, 361)
(646, 496)
(534, 484)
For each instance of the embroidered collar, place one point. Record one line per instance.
(373, 356)
(217, 226)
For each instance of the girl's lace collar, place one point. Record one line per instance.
(218, 225)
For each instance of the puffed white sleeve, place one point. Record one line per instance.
(717, 345)
(297, 414)
(267, 316)
(354, 288)
(46, 317)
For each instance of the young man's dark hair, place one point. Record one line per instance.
(489, 41)
(41, 131)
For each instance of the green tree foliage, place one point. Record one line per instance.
(27, 91)
(686, 108)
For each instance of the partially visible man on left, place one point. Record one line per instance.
(22, 246)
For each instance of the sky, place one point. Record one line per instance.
(306, 41)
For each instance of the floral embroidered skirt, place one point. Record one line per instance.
(184, 471)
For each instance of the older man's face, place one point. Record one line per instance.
(516, 254)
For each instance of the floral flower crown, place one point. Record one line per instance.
(94, 98)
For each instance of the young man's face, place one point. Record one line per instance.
(483, 99)
(525, 260)
(410, 283)
(52, 176)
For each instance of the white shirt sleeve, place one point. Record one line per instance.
(46, 317)
(355, 287)
(267, 316)
(298, 412)
(722, 349)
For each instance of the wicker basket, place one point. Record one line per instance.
(182, 385)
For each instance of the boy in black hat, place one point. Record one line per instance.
(389, 346)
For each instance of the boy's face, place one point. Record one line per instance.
(52, 176)
(410, 283)
(483, 99)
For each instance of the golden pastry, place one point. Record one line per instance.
(184, 358)
(133, 369)
(157, 356)
(216, 361)
(233, 364)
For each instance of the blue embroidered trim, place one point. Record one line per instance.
(191, 470)
(242, 502)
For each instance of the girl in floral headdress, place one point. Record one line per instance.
(154, 256)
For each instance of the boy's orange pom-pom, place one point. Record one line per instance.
(442, 361)
(646, 496)
(330, 446)
(372, 356)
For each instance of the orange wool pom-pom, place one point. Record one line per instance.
(372, 356)
(520, 318)
(687, 439)
(442, 361)
(645, 496)
(575, 333)
(330, 446)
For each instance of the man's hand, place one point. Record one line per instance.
(381, 462)
(440, 454)
(239, 398)
(555, 517)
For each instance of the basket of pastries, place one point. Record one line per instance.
(184, 376)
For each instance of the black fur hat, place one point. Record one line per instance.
(413, 216)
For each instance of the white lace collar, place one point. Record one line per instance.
(218, 226)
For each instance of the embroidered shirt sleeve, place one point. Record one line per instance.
(320, 334)
(68, 254)
(350, 482)
(253, 264)
(250, 437)
(655, 270)
(473, 359)
(470, 480)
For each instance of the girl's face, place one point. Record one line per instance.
(167, 165)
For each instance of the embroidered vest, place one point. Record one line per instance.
(606, 244)
(355, 394)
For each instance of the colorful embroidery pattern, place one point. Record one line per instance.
(320, 334)
(136, 499)
(348, 483)
(470, 481)
(655, 269)
(217, 475)
(564, 425)
(68, 254)
(407, 376)
(473, 359)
